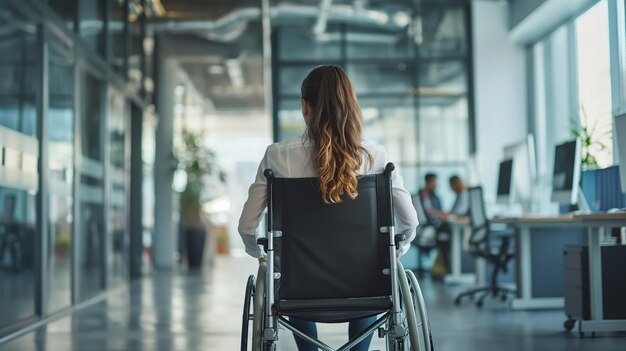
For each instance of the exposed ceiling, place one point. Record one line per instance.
(232, 79)
(212, 9)
(203, 9)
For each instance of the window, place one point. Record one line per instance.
(411, 78)
(91, 221)
(60, 173)
(91, 23)
(18, 165)
(594, 85)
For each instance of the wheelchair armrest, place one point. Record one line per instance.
(399, 238)
(262, 242)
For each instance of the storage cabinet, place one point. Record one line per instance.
(576, 282)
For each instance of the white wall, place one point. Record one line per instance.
(500, 89)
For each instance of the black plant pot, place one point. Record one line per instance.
(196, 239)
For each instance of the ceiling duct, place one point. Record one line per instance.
(226, 27)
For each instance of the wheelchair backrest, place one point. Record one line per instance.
(330, 251)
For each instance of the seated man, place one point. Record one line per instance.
(432, 207)
(459, 209)
(430, 200)
(461, 203)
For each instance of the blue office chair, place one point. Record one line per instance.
(332, 264)
(482, 246)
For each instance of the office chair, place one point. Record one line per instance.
(425, 237)
(481, 247)
(316, 271)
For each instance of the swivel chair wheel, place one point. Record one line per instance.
(479, 304)
(457, 301)
(503, 297)
(569, 324)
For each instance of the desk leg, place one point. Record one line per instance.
(524, 268)
(595, 273)
(456, 251)
(457, 244)
(481, 271)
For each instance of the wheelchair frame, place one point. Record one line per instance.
(407, 316)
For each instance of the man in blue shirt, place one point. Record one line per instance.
(430, 200)
(434, 211)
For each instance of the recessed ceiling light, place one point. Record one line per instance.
(215, 69)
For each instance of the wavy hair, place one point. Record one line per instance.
(334, 126)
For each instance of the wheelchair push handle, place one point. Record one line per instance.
(390, 167)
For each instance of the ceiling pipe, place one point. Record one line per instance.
(322, 20)
(336, 13)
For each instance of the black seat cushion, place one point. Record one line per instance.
(334, 310)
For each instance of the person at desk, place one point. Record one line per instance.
(461, 203)
(430, 200)
(432, 207)
(440, 219)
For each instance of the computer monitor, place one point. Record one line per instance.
(620, 131)
(524, 170)
(566, 174)
(505, 182)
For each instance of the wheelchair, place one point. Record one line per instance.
(315, 272)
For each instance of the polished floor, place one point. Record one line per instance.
(202, 311)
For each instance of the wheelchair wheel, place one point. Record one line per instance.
(412, 343)
(415, 314)
(258, 323)
(421, 313)
(250, 290)
(254, 312)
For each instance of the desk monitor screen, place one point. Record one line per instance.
(505, 181)
(525, 170)
(620, 131)
(566, 174)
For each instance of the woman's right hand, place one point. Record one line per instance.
(263, 259)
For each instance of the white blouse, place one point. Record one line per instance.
(292, 159)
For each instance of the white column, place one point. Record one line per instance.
(165, 230)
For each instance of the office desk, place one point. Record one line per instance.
(526, 297)
(596, 225)
(458, 227)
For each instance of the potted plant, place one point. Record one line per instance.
(590, 139)
(198, 162)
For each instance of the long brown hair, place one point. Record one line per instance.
(334, 126)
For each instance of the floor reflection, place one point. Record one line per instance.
(202, 311)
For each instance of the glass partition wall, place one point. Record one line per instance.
(412, 79)
(19, 150)
(64, 141)
(90, 255)
(61, 117)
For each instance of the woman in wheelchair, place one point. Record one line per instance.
(332, 151)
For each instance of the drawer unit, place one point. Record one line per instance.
(576, 282)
